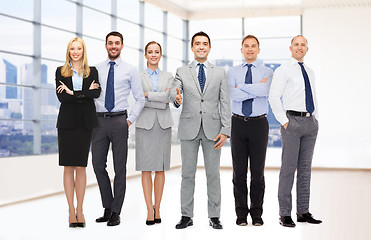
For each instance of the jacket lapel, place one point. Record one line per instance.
(192, 70)
(210, 71)
(147, 79)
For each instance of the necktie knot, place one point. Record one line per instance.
(112, 63)
(201, 65)
(249, 65)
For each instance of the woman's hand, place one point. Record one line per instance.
(93, 85)
(63, 87)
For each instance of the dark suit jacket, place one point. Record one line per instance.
(83, 100)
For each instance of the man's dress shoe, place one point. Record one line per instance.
(307, 217)
(286, 221)
(257, 221)
(106, 216)
(184, 222)
(114, 220)
(241, 221)
(215, 223)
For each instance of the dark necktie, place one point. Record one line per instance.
(201, 76)
(110, 94)
(308, 90)
(247, 104)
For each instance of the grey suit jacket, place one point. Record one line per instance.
(157, 103)
(210, 107)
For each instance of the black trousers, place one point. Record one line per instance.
(249, 140)
(111, 130)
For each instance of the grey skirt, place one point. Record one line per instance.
(152, 148)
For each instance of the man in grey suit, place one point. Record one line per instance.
(205, 120)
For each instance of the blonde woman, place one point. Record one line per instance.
(76, 86)
(153, 131)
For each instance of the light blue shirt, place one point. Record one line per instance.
(257, 91)
(126, 79)
(76, 80)
(154, 78)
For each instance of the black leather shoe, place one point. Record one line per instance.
(215, 223)
(241, 221)
(307, 217)
(114, 220)
(257, 221)
(184, 222)
(286, 221)
(106, 216)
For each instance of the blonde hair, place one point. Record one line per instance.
(66, 70)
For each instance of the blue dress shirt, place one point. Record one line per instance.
(257, 90)
(76, 80)
(154, 78)
(126, 79)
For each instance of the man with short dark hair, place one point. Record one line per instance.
(249, 85)
(293, 100)
(117, 79)
(205, 120)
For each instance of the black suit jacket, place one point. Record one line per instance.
(80, 100)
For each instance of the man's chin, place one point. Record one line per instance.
(113, 56)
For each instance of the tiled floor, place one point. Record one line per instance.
(342, 199)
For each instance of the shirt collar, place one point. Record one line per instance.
(117, 61)
(244, 64)
(151, 72)
(293, 61)
(206, 63)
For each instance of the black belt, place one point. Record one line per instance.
(110, 114)
(301, 114)
(249, 118)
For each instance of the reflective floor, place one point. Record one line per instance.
(342, 199)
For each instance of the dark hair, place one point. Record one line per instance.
(117, 34)
(250, 36)
(150, 43)
(201, 34)
(299, 36)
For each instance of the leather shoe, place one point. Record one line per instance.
(286, 221)
(114, 220)
(241, 221)
(184, 222)
(307, 217)
(106, 216)
(257, 221)
(215, 223)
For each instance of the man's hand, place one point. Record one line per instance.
(264, 80)
(178, 97)
(222, 139)
(285, 125)
(129, 123)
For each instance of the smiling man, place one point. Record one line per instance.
(293, 100)
(249, 85)
(117, 79)
(205, 120)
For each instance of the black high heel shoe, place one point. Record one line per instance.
(81, 224)
(151, 222)
(71, 225)
(156, 220)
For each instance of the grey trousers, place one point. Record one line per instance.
(189, 152)
(111, 130)
(298, 141)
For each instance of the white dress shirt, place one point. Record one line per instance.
(288, 82)
(126, 78)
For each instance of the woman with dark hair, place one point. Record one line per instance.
(153, 131)
(76, 86)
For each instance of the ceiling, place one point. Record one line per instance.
(208, 9)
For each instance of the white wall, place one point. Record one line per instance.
(339, 52)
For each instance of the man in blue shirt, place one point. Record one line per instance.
(249, 85)
(118, 79)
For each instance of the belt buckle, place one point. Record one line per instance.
(307, 114)
(106, 115)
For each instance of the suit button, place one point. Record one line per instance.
(202, 100)
(200, 112)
